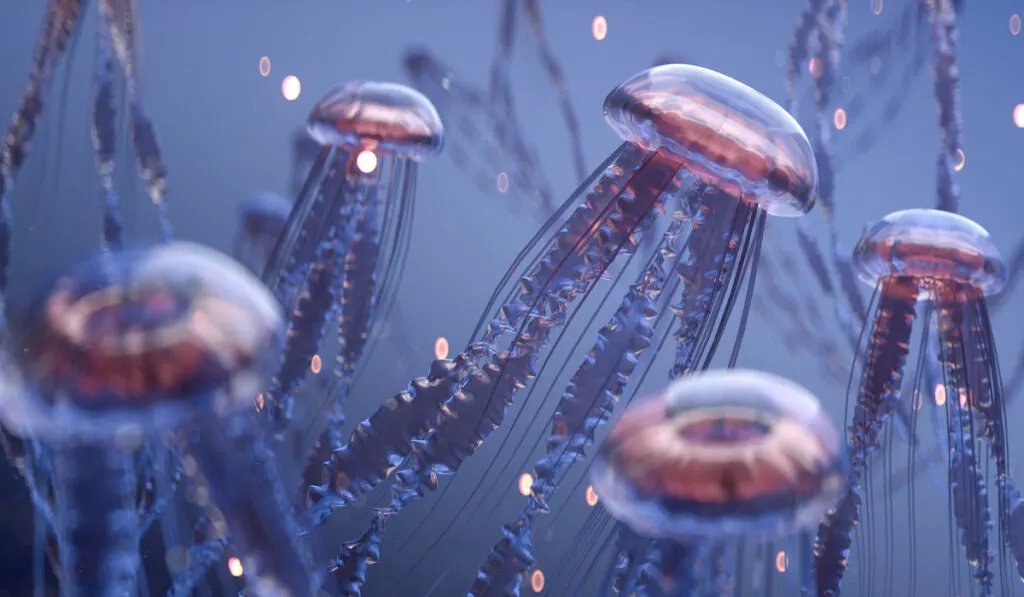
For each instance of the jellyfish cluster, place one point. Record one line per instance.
(171, 390)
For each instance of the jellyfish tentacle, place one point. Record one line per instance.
(98, 526)
(104, 139)
(349, 571)
(119, 17)
(587, 403)
(942, 21)
(880, 386)
(201, 556)
(1015, 525)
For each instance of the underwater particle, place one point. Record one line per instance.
(1015, 24)
(366, 161)
(525, 482)
(940, 395)
(599, 28)
(1018, 116)
(537, 581)
(502, 182)
(591, 496)
(315, 364)
(723, 454)
(960, 160)
(815, 67)
(839, 119)
(291, 87)
(876, 6)
(235, 567)
(781, 561)
(441, 348)
(264, 66)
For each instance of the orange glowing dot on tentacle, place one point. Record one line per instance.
(525, 482)
(839, 119)
(537, 581)
(264, 66)
(366, 161)
(291, 87)
(441, 348)
(1018, 116)
(599, 28)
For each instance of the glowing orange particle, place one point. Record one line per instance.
(839, 119)
(366, 161)
(291, 87)
(599, 28)
(537, 581)
(940, 395)
(315, 364)
(525, 482)
(876, 6)
(781, 561)
(441, 348)
(961, 160)
(235, 567)
(815, 67)
(264, 66)
(591, 496)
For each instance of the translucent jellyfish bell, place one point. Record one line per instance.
(726, 454)
(931, 245)
(384, 117)
(261, 221)
(728, 134)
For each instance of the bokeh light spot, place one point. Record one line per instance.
(264, 66)
(235, 567)
(366, 161)
(599, 28)
(1015, 24)
(291, 87)
(537, 581)
(940, 395)
(591, 496)
(1018, 116)
(781, 561)
(876, 6)
(839, 119)
(441, 348)
(315, 364)
(502, 182)
(815, 67)
(959, 160)
(525, 482)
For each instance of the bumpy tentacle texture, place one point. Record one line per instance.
(104, 137)
(947, 94)
(879, 390)
(98, 525)
(587, 403)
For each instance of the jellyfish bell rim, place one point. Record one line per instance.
(328, 131)
(251, 326)
(642, 121)
(774, 514)
(872, 268)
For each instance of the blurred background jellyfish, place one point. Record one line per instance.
(344, 245)
(146, 340)
(730, 156)
(260, 224)
(949, 263)
(715, 462)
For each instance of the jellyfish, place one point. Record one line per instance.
(344, 245)
(730, 156)
(950, 264)
(262, 219)
(124, 346)
(721, 457)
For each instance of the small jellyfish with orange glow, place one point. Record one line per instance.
(125, 346)
(948, 265)
(344, 245)
(717, 460)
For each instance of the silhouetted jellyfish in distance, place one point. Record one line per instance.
(950, 264)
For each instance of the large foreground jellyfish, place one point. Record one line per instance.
(729, 155)
(949, 263)
(127, 344)
(720, 459)
(343, 247)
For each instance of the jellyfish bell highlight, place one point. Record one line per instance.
(722, 455)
